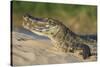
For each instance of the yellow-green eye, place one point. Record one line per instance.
(50, 20)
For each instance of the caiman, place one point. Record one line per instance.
(62, 37)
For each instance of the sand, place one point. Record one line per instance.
(28, 51)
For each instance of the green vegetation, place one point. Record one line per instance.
(81, 18)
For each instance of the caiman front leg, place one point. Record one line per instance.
(58, 48)
(85, 50)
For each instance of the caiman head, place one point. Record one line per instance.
(41, 26)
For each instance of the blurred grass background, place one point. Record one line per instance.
(79, 18)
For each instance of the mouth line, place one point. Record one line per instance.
(38, 20)
(34, 27)
(34, 19)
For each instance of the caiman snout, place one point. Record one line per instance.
(45, 26)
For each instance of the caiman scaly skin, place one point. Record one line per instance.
(61, 36)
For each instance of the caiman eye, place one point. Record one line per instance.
(51, 22)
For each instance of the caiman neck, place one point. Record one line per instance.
(63, 34)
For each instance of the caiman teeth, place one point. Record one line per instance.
(47, 25)
(37, 29)
(44, 30)
(27, 24)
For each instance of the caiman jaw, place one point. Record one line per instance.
(34, 23)
(41, 26)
